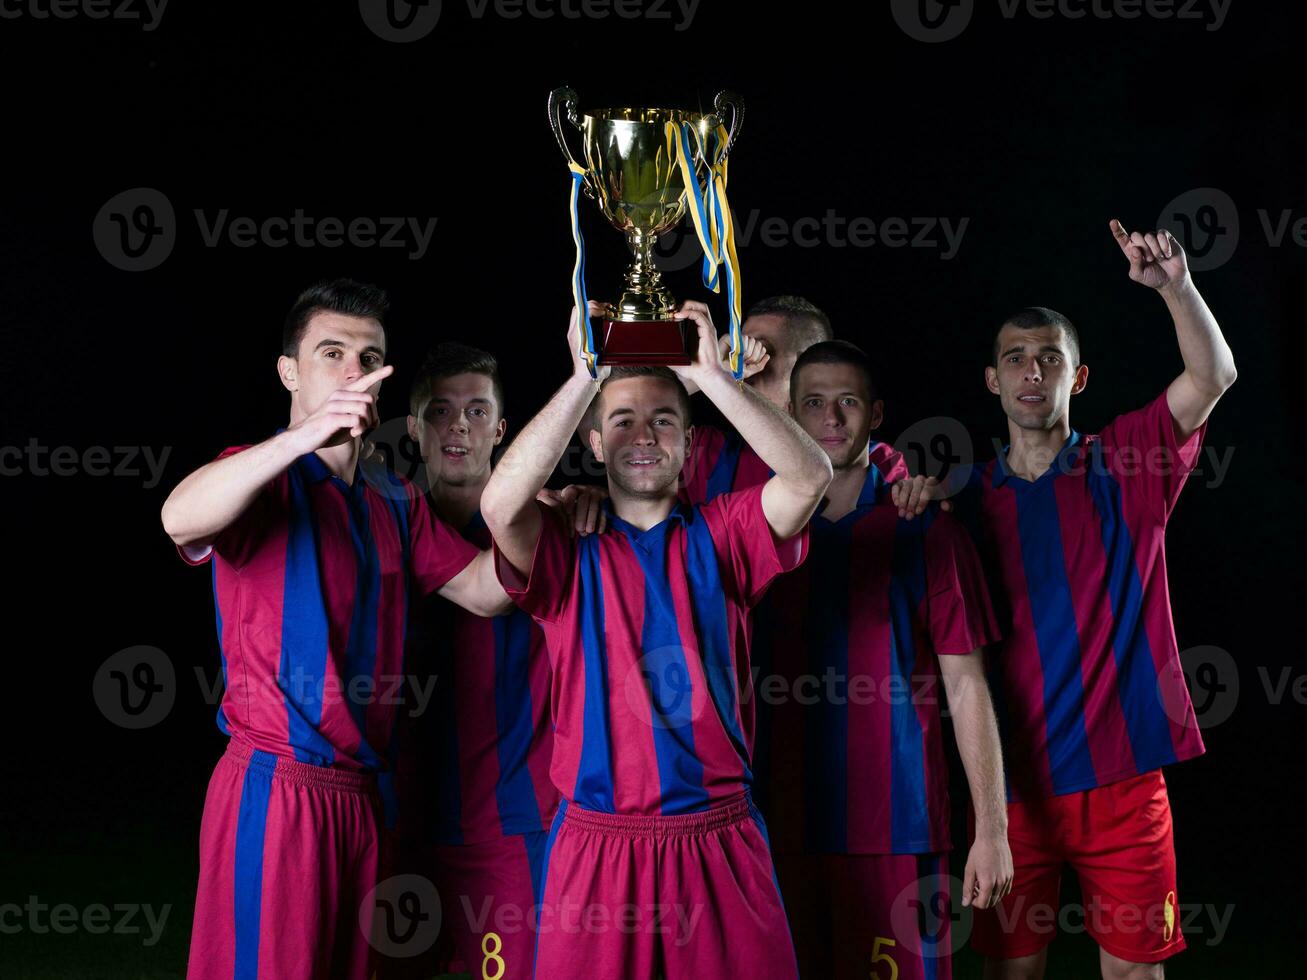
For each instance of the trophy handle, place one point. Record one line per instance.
(724, 100)
(560, 99)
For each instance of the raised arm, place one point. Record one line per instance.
(508, 500)
(214, 496)
(1158, 261)
(988, 875)
(803, 470)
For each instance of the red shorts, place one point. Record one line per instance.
(488, 900)
(290, 856)
(1118, 840)
(869, 915)
(693, 897)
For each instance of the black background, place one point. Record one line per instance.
(1037, 131)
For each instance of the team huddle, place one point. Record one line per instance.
(689, 724)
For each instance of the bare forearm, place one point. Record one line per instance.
(774, 436)
(216, 494)
(526, 466)
(1208, 359)
(978, 743)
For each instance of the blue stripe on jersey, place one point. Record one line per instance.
(722, 478)
(223, 725)
(1136, 677)
(934, 896)
(361, 648)
(909, 812)
(594, 775)
(709, 603)
(300, 675)
(536, 843)
(826, 723)
(1049, 590)
(514, 791)
(247, 890)
(666, 674)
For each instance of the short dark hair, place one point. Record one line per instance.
(1034, 317)
(448, 359)
(837, 352)
(343, 296)
(805, 323)
(622, 373)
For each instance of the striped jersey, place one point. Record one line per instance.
(648, 635)
(311, 587)
(486, 740)
(855, 762)
(1089, 684)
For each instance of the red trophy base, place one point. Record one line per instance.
(644, 342)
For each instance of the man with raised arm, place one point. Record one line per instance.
(657, 859)
(312, 554)
(1090, 690)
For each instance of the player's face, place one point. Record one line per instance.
(334, 351)
(643, 439)
(834, 406)
(459, 429)
(1035, 377)
(773, 381)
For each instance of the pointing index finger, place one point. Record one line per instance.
(1121, 235)
(371, 378)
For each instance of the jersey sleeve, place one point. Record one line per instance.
(238, 540)
(888, 461)
(1141, 451)
(959, 613)
(706, 446)
(749, 554)
(543, 590)
(437, 552)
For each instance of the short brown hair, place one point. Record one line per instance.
(448, 359)
(648, 371)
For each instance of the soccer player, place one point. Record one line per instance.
(311, 554)
(486, 742)
(657, 859)
(1090, 690)
(882, 611)
(777, 331)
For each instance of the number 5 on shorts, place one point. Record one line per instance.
(883, 957)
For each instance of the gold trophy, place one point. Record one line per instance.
(634, 173)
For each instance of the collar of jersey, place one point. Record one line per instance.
(1062, 463)
(679, 513)
(872, 488)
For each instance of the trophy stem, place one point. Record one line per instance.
(645, 297)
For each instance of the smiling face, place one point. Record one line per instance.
(335, 350)
(1036, 375)
(459, 427)
(833, 403)
(643, 436)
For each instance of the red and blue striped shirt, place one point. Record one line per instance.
(1089, 683)
(648, 635)
(311, 587)
(854, 758)
(488, 737)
